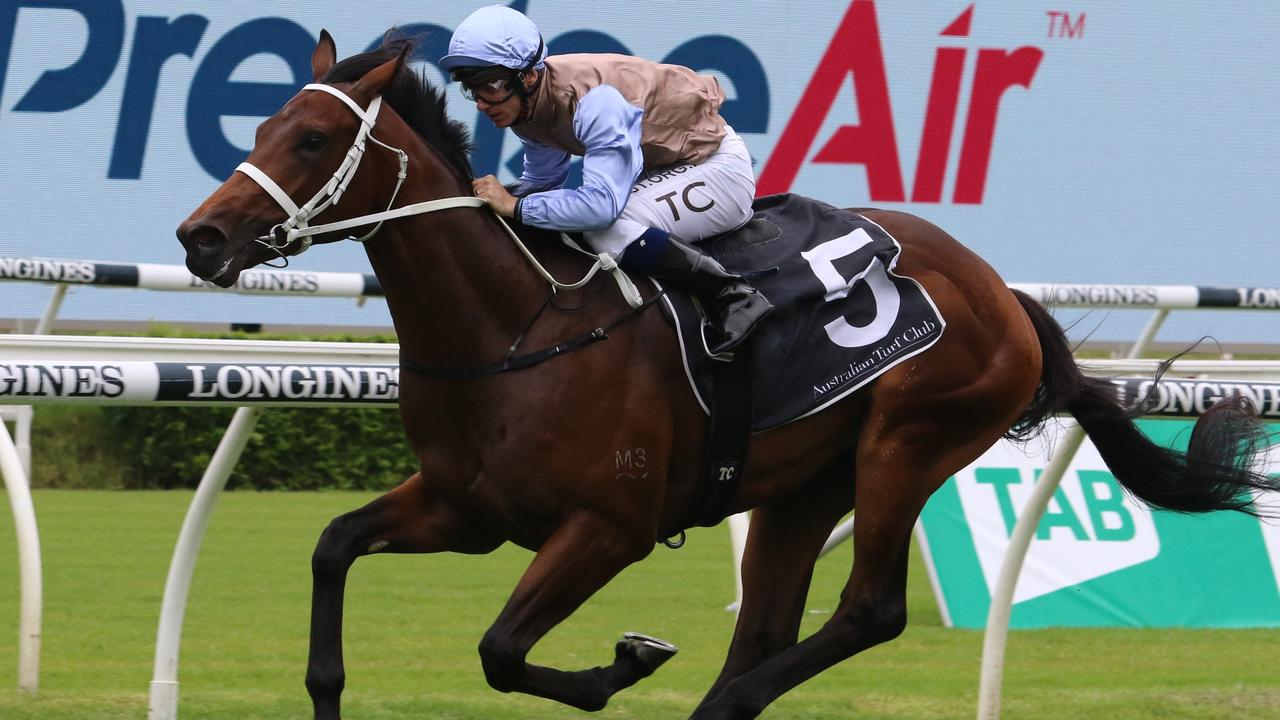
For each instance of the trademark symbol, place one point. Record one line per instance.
(1060, 24)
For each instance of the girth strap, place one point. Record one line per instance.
(516, 363)
(730, 433)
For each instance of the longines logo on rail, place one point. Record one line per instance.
(57, 380)
(1259, 297)
(182, 381)
(1102, 294)
(51, 270)
(269, 282)
(1194, 397)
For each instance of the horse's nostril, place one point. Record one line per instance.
(206, 238)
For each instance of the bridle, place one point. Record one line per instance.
(295, 228)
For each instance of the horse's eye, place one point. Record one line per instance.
(312, 142)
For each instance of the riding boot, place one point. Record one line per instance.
(734, 306)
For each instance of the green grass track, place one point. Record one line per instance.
(413, 623)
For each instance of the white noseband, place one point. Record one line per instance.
(295, 228)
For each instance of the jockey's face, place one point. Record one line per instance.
(499, 100)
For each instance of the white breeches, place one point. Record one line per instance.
(691, 202)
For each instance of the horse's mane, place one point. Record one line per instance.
(420, 104)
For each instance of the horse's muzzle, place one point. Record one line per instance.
(206, 247)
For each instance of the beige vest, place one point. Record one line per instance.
(681, 123)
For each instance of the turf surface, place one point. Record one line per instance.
(413, 623)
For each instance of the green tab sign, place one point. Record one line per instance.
(1098, 557)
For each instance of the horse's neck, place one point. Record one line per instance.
(458, 290)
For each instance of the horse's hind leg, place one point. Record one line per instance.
(577, 560)
(872, 610)
(897, 470)
(777, 568)
(409, 519)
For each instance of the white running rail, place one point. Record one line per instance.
(36, 369)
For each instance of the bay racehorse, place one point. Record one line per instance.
(528, 456)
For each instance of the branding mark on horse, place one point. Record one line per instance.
(629, 459)
(630, 464)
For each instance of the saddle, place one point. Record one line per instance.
(842, 318)
(843, 315)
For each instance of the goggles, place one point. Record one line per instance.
(494, 84)
(493, 92)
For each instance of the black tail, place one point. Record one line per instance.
(1216, 473)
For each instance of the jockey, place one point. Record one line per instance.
(660, 167)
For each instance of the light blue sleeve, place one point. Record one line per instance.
(609, 128)
(545, 168)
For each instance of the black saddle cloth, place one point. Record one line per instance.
(842, 315)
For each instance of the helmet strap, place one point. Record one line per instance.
(521, 91)
(537, 57)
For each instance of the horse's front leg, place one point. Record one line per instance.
(577, 560)
(410, 519)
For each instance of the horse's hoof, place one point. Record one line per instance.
(644, 651)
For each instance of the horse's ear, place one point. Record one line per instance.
(376, 80)
(325, 55)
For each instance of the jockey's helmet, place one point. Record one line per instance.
(493, 45)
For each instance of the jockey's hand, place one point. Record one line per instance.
(491, 191)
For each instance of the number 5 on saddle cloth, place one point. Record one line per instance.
(842, 318)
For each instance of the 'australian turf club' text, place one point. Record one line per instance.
(908, 339)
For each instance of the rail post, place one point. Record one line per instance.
(163, 703)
